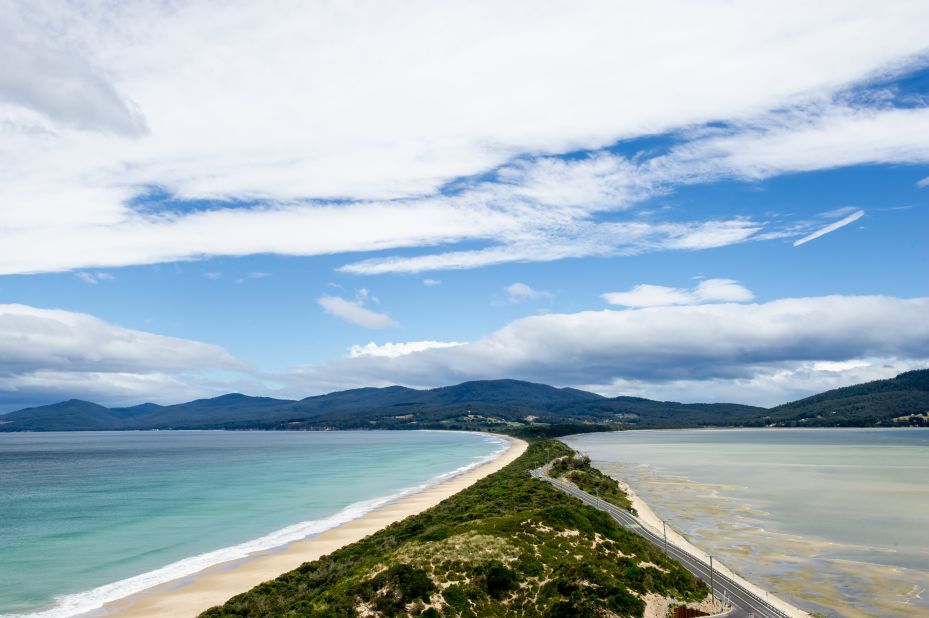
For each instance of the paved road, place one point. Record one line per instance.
(745, 604)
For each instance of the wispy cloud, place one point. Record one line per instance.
(252, 275)
(93, 278)
(922, 184)
(401, 174)
(354, 312)
(830, 228)
(431, 282)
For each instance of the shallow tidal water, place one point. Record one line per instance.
(833, 520)
(89, 517)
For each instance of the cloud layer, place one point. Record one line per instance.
(739, 352)
(226, 129)
(760, 353)
(50, 353)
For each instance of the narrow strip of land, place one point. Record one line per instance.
(216, 585)
(745, 603)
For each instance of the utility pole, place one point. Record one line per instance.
(712, 590)
(664, 530)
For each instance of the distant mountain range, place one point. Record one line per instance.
(487, 404)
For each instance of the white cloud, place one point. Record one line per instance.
(806, 138)
(839, 366)
(647, 295)
(391, 126)
(354, 312)
(923, 183)
(93, 278)
(393, 350)
(49, 353)
(708, 290)
(575, 239)
(744, 352)
(830, 228)
(431, 282)
(519, 292)
(41, 74)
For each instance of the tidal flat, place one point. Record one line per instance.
(830, 520)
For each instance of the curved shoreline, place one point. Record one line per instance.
(191, 595)
(648, 517)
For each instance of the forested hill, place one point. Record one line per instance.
(495, 405)
(903, 400)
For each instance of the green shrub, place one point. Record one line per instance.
(498, 579)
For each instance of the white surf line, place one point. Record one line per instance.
(67, 606)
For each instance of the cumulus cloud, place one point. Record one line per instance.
(403, 156)
(732, 347)
(519, 292)
(707, 291)
(46, 353)
(354, 312)
(830, 228)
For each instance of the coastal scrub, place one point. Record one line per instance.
(508, 545)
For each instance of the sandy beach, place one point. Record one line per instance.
(213, 586)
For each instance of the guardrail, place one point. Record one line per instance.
(646, 533)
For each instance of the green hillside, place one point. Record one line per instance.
(882, 402)
(508, 545)
(490, 405)
(71, 415)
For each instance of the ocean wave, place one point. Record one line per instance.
(71, 605)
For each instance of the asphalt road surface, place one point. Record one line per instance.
(745, 604)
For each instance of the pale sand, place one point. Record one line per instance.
(648, 517)
(216, 585)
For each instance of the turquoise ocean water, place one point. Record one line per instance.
(835, 520)
(91, 517)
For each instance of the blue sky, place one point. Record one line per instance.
(625, 217)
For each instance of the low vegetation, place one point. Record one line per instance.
(576, 469)
(508, 545)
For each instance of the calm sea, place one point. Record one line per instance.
(834, 520)
(86, 518)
